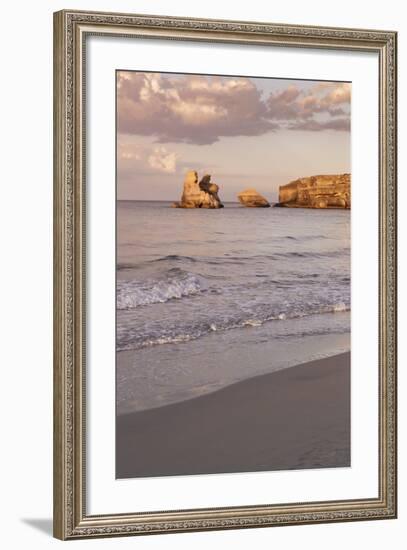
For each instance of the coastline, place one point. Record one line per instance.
(295, 418)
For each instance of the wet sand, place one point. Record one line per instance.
(296, 418)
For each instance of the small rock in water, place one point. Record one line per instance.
(253, 199)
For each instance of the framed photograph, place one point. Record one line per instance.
(225, 274)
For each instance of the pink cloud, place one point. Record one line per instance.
(199, 109)
(132, 157)
(190, 109)
(329, 98)
(338, 124)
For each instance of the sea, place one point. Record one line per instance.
(207, 298)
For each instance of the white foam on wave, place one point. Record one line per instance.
(133, 294)
(194, 332)
(340, 307)
(252, 323)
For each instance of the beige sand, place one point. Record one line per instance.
(291, 419)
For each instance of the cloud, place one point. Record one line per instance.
(339, 95)
(327, 99)
(338, 124)
(190, 109)
(284, 104)
(135, 157)
(200, 110)
(162, 160)
(130, 152)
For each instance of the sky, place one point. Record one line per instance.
(244, 131)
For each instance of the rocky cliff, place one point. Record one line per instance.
(199, 195)
(251, 198)
(327, 191)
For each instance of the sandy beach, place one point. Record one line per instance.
(296, 418)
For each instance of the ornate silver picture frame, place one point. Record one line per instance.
(72, 519)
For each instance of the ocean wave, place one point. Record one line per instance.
(125, 266)
(128, 340)
(175, 258)
(312, 254)
(230, 259)
(177, 284)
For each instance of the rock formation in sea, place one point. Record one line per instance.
(327, 191)
(251, 198)
(199, 195)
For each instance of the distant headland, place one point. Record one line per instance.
(327, 191)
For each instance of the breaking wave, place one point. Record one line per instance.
(177, 284)
(129, 339)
